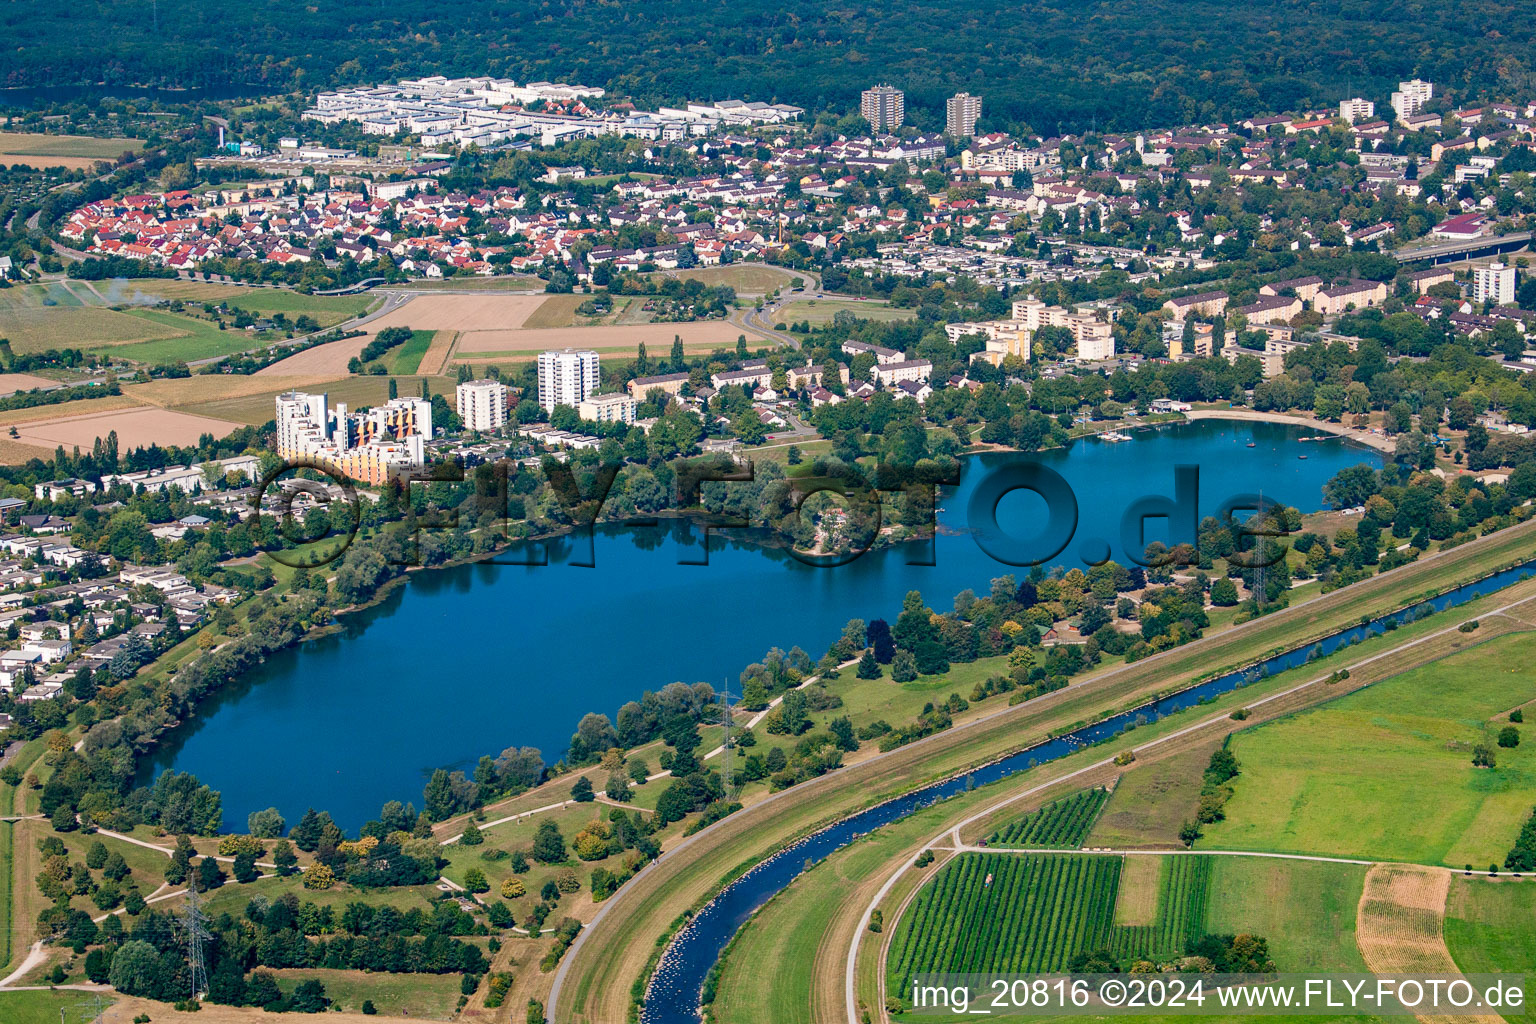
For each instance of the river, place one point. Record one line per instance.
(467, 661)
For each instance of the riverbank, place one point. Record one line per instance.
(1377, 441)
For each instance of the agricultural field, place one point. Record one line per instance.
(1150, 803)
(1008, 913)
(562, 311)
(1181, 885)
(819, 312)
(619, 341)
(407, 358)
(1386, 773)
(38, 1007)
(38, 328)
(1062, 825)
(10, 383)
(1490, 927)
(135, 428)
(1306, 909)
(254, 405)
(71, 151)
(326, 310)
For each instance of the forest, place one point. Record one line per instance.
(1059, 65)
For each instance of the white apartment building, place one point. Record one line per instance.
(1494, 283)
(1411, 97)
(566, 377)
(887, 374)
(618, 407)
(884, 107)
(369, 447)
(961, 112)
(1356, 109)
(482, 404)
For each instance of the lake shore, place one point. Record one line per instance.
(1365, 437)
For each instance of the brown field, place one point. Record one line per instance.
(436, 358)
(14, 453)
(1136, 900)
(83, 406)
(127, 1008)
(30, 144)
(135, 428)
(1400, 926)
(255, 407)
(330, 358)
(463, 312)
(178, 392)
(486, 346)
(747, 279)
(10, 383)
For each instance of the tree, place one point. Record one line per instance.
(548, 843)
(869, 668)
(137, 970)
(1509, 737)
(903, 666)
(440, 803)
(581, 790)
(284, 857)
(474, 880)
(472, 836)
(878, 636)
(1224, 593)
(209, 875)
(245, 867)
(267, 824)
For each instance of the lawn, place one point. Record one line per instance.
(44, 1007)
(1386, 773)
(1490, 927)
(422, 996)
(819, 312)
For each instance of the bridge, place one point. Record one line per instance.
(1452, 252)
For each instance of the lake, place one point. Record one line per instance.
(470, 660)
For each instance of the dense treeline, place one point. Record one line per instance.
(1074, 64)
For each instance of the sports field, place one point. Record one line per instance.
(1386, 773)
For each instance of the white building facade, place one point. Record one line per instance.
(482, 404)
(1494, 283)
(566, 377)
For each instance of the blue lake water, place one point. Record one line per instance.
(470, 660)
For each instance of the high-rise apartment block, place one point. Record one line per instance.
(1494, 283)
(961, 112)
(1411, 97)
(482, 404)
(369, 447)
(566, 377)
(884, 107)
(1353, 111)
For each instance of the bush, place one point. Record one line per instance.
(1509, 737)
(1517, 715)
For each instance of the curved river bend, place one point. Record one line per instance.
(673, 995)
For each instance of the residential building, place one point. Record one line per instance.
(1304, 288)
(1494, 283)
(1358, 294)
(1355, 110)
(888, 374)
(1411, 97)
(1270, 309)
(482, 404)
(961, 112)
(666, 383)
(884, 107)
(1203, 304)
(566, 377)
(618, 407)
(371, 447)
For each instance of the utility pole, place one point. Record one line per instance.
(194, 927)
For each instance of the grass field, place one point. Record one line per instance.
(1063, 824)
(1386, 773)
(38, 1007)
(1136, 899)
(1490, 927)
(1183, 885)
(407, 358)
(746, 278)
(7, 861)
(420, 996)
(193, 339)
(1149, 804)
(819, 312)
(36, 328)
(325, 309)
(1306, 909)
(560, 311)
(25, 144)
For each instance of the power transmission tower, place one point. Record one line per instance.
(725, 745)
(1258, 571)
(194, 928)
(87, 1011)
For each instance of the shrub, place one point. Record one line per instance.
(1517, 715)
(319, 877)
(1509, 737)
(513, 888)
